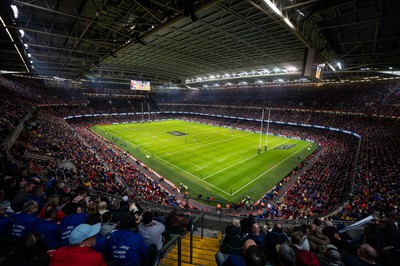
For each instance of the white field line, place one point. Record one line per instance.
(177, 167)
(269, 169)
(208, 143)
(219, 159)
(232, 165)
(198, 167)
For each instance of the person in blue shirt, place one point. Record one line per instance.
(101, 241)
(127, 248)
(25, 221)
(49, 229)
(74, 216)
(37, 195)
(5, 220)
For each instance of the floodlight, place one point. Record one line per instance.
(15, 10)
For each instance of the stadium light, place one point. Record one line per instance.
(22, 32)
(26, 46)
(273, 7)
(339, 65)
(15, 10)
(331, 67)
(289, 23)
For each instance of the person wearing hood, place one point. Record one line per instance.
(127, 248)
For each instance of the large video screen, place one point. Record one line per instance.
(137, 85)
(313, 64)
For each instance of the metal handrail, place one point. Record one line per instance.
(191, 233)
(177, 238)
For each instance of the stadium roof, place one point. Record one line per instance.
(183, 41)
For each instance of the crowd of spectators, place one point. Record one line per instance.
(317, 243)
(96, 164)
(380, 98)
(47, 223)
(364, 172)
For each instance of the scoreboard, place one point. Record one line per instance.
(137, 85)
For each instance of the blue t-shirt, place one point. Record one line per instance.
(67, 224)
(23, 224)
(50, 232)
(127, 247)
(5, 225)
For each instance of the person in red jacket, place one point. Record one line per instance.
(82, 239)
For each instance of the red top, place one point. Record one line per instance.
(57, 219)
(74, 255)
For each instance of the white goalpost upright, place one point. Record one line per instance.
(142, 112)
(148, 110)
(261, 129)
(267, 133)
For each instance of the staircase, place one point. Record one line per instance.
(203, 251)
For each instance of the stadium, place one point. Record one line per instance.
(231, 126)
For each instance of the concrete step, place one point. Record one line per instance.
(197, 253)
(186, 259)
(169, 262)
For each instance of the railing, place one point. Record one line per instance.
(164, 249)
(201, 215)
(10, 140)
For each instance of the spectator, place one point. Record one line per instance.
(49, 229)
(53, 201)
(5, 220)
(286, 256)
(25, 221)
(299, 242)
(252, 256)
(127, 248)
(122, 210)
(74, 216)
(101, 240)
(247, 223)
(306, 258)
(31, 250)
(330, 257)
(274, 238)
(151, 230)
(82, 239)
(178, 222)
(102, 207)
(37, 195)
(257, 235)
(366, 255)
(317, 239)
(19, 199)
(107, 226)
(234, 238)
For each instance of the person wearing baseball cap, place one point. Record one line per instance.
(82, 239)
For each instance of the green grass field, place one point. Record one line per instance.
(212, 161)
